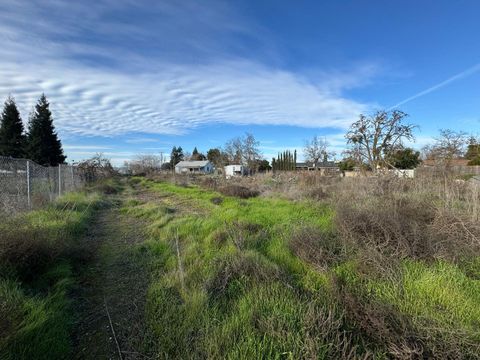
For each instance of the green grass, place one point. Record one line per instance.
(240, 292)
(237, 267)
(38, 254)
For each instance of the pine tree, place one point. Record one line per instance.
(12, 137)
(197, 155)
(176, 156)
(44, 146)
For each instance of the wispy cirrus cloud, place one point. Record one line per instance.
(173, 69)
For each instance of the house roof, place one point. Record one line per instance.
(193, 164)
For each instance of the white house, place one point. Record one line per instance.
(232, 170)
(194, 167)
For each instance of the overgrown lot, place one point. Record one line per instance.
(293, 267)
(376, 268)
(39, 252)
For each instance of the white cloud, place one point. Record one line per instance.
(141, 140)
(90, 102)
(85, 147)
(45, 50)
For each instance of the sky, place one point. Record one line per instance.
(128, 77)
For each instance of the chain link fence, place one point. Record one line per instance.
(25, 185)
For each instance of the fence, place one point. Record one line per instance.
(26, 185)
(455, 169)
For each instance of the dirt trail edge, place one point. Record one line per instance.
(110, 298)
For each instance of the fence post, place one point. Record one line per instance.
(73, 179)
(28, 185)
(59, 180)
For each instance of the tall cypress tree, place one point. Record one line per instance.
(44, 146)
(12, 137)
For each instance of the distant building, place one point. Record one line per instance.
(326, 167)
(403, 173)
(235, 170)
(194, 167)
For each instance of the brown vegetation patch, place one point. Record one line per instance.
(316, 247)
(216, 200)
(246, 235)
(379, 324)
(26, 250)
(241, 266)
(238, 191)
(402, 226)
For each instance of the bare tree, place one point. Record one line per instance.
(374, 136)
(144, 164)
(251, 151)
(233, 150)
(96, 168)
(316, 149)
(448, 145)
(244, 150)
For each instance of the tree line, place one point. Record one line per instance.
(374, 142)
(39, 142)
(242, 150)
(377, 141)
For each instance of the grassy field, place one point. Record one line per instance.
(294, 269)
(39, 251)
(269, 278)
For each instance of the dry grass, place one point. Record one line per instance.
(241, 192)
(409, 218)
(317, 248)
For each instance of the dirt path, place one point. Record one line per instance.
(112, 290)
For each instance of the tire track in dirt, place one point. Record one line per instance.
(112, 289)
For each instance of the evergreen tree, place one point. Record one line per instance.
(194, 152)
(473, 151)
(44, 146)
(176, 156)
(197, 155)
(12, 137)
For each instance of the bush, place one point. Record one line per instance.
(26, 250)
(317, 248)
(241, 266)
(239, 191)
(385, 220)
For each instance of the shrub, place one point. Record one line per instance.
(26, 249)
(241, 266)
(239, 191)
(316, 247)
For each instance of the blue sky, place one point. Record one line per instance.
(127, 77)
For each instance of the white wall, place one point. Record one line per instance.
(410, 173)
(231, 169)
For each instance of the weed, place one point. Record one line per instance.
(38, 251)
